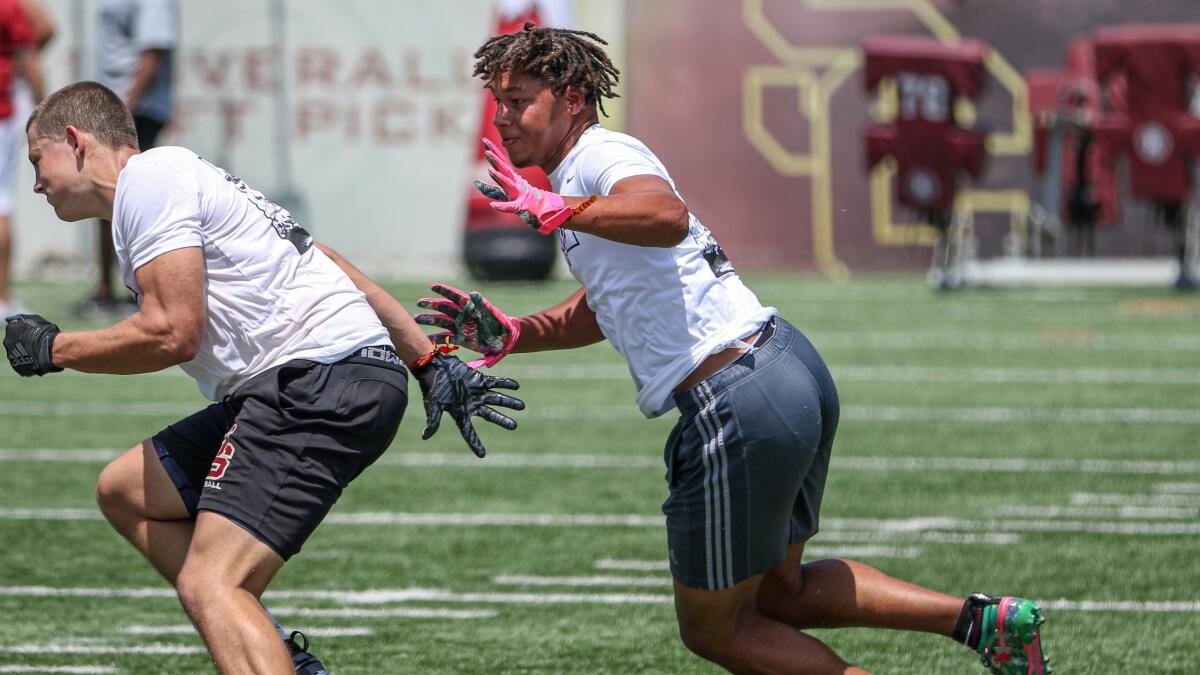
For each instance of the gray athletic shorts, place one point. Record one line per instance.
(746, 463)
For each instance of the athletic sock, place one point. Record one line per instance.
(967, 629)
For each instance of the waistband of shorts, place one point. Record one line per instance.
(773, 340)
(379, 355)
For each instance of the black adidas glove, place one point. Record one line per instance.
(449, 385)
(28, 341)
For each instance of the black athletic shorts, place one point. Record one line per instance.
(276, 455)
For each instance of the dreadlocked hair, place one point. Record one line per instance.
(563, 58)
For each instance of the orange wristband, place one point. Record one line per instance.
(583, 205)
(423, 359)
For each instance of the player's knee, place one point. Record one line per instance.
(199, 590)
(114, 493)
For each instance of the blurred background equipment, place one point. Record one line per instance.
(930, 152)
(499, 245)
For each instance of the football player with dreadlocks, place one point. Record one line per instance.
(747, 460)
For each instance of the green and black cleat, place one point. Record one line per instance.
(1010, 641)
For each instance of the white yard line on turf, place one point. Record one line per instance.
(395, 612)
(1004, 341)
(1179, 488)
(525, 580)
(72, 669)
(809, 552)
(862, 413)
(932, 529)
(1145, 512)
(1087, 498)
(1186, 607)
(88, 649)
(398, 595)
(188, 629)
(1017, 375)
(840, 462)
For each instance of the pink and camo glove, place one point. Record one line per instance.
(542, 210)
(470, 321)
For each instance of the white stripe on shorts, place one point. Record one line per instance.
(702, 427)
(714, 446)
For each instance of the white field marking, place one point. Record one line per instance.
(511, 519)
(860, 413)
(1015, 465)
(633, 565)
(50, 514)
(809, 552)
(64, 455)
(523, 461)
(1089, 498)
(611, 412)
(835, 529)
(97, 409)
(1018, 375)
(86, 649)
(992, 538)
(76, 669)
(332, 631)
(518, 580)
(947, 523)
(1121, 606)
(1145, 512)
(1179, 488)
(861, 551)
(843, 463)
(1004, 341)
(378, 596)
(395, 612)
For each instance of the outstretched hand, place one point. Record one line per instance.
(448, 385)
(542, 210)
(470, 321)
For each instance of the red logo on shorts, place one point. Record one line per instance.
(224, 456)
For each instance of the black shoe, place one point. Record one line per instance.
(305, 663)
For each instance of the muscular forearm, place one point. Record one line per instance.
(411, 342)
(139, 344)
(652, 218)
(567, 325)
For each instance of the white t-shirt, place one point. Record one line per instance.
(272, 296)
(664, 309)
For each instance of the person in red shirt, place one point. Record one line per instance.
(18, 59)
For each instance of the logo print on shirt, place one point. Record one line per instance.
(279, 217)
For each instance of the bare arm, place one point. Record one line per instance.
(567, 325)
(640, 210)
(43, 25)
(29, 66)
(148, 64)
(411, 342)
(167, 330)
